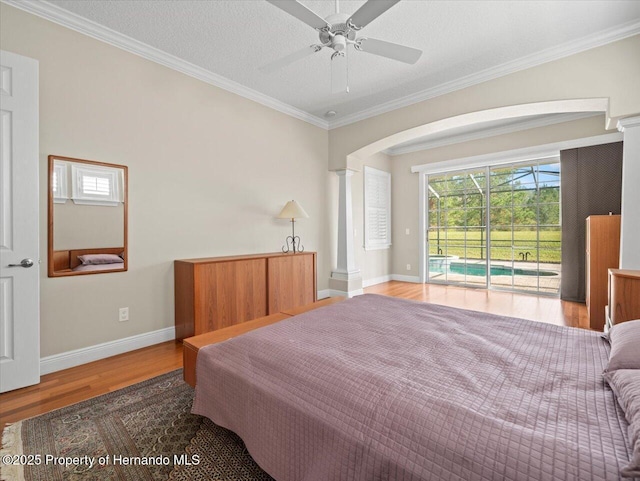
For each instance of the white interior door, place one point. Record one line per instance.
(19, 258)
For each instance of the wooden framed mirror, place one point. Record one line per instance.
(87, 217)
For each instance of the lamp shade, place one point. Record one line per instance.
(292, 210)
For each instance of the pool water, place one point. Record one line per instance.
(481, 270)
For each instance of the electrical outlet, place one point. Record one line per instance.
(408, 267)
(123, 314)
(406, 231)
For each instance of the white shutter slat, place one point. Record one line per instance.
(377, 206)
(59, 182)
(96, 185)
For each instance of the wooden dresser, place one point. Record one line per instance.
(624, 296)
(602, 252)
(217, 292)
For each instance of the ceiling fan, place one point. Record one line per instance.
(338, 31)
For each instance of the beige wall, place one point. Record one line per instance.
(611, 71)
(208, 172)
(77, 226)
(374, 263)
(405, 195)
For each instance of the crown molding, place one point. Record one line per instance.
(492, 132)
(92, 29)
(628, 122)
(573, 47)
(53, 13)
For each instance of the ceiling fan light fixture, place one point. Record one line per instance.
(339, 43)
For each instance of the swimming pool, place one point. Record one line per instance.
(481, 270)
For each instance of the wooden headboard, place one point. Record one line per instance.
(68, 260)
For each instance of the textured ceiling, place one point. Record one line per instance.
(459, 38)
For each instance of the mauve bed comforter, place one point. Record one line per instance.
(378, 388)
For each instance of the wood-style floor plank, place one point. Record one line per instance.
(63, 388)
(536, 308)
(70, 386)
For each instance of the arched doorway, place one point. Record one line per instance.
(458, 123)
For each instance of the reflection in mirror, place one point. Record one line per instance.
(87, 217)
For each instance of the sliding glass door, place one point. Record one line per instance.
(457, 230)
(525, 227)
(519, 207)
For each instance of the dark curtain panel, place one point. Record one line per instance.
(591, 185)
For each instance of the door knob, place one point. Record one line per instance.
(23, 263)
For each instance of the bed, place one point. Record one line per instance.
(71, 260)
(378, 388)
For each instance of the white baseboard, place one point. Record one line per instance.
(65, 360)
(368, 283)
(375, 280)
(336, 293)
(392, 277)
(399, 277)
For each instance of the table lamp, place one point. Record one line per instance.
(292, 210)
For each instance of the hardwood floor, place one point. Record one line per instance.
(73, 385)
(536, 308)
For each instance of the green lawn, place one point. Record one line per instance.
(452, 242)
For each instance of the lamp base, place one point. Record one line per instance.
(293, 245)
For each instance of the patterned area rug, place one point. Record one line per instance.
(144, 432)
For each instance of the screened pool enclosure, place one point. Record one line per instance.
(497, 227)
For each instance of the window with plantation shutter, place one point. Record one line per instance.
(96, 185)
(59, 182)
(377, 209)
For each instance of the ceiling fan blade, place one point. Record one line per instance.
(299, 11)
(289, 59)
(339, 73)
(390, 50)
(370, 11)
